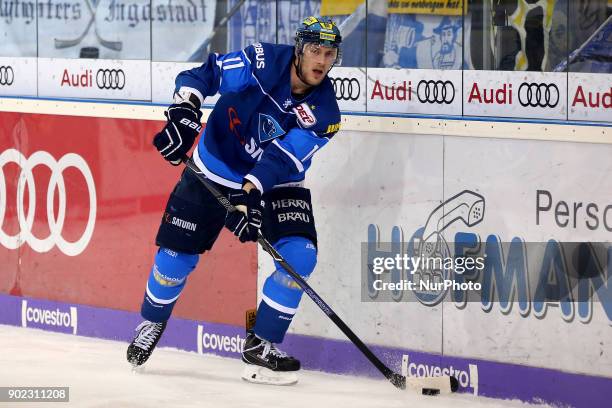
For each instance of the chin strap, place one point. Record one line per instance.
(297, 63)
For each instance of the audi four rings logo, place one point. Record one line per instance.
(27, 183)
(436, 91)
(542, 95)
(7, 76)
(110, 79)
(347, 89)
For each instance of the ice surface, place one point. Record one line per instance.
(99, 376)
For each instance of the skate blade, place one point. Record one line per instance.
(137, 369)
(261, 375)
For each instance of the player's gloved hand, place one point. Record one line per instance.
(246, 222)
(177, 137)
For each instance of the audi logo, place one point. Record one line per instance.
(347, 89)
(542, 95)
(7, 76)
(25, 218)
(436, 91)
(110, 79)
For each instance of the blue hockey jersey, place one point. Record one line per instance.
(257, 131)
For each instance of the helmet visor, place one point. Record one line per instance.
(314, 50)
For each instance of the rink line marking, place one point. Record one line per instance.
(96, 109)
(475, 127)
(588, 133)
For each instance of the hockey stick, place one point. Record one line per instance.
(113, 45)
(71, 43)
(427, 385)
(198, 55)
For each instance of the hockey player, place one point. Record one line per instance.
(277, 109)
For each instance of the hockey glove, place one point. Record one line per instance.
(177, 137)
(245, 223)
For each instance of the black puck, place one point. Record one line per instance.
(89, 52)
(430, 391)
(454, 384)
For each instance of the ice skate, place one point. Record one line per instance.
(265, 364)
(144, 343)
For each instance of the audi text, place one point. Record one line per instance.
(83, 80)
(592, 99)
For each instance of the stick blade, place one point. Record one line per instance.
(432, 385)
(65, 43)
(113, 45)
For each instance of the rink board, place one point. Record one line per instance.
(584, 97)
(370, 188)
(111, 190)
(480, 377)
(402, 179)
(524, 186)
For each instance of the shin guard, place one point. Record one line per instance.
(166, 281)
(281, 295)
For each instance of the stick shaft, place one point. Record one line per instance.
(203, 48)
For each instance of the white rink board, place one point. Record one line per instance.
(590, 97)
(94, 78)
(350, 87)
(518, 94)
(509, 176)
(361, 179)
(423, 91)
(17, 76)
